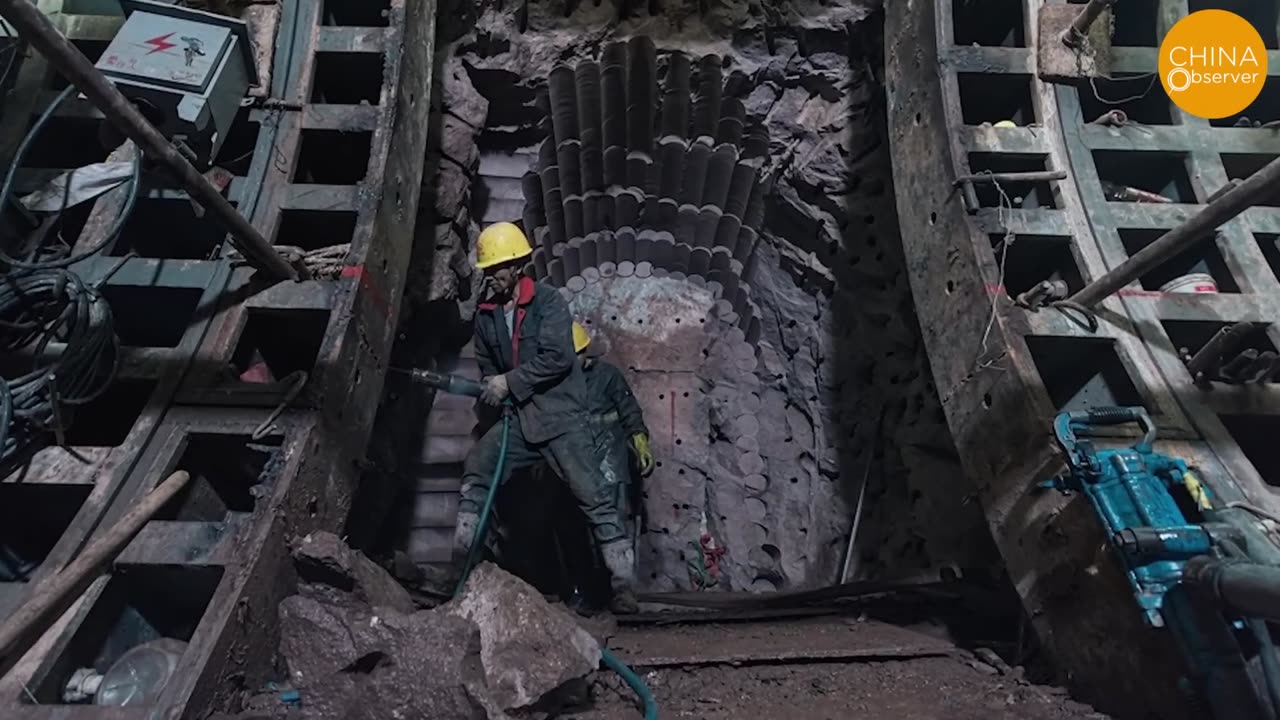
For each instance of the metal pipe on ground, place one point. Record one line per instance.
(53, 595)
(32, 26)
(1221, 210)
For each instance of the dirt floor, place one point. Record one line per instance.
(936, 688)
(830, 668)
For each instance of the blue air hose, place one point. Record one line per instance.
(609, 660)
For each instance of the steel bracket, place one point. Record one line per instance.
(1058, 62)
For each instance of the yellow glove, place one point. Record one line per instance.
(644, 453)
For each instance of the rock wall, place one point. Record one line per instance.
(836, 386)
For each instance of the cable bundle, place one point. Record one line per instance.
(64, 326)
(39, 308)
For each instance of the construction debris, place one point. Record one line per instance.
(355, 648)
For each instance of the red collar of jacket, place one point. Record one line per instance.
(525, 290)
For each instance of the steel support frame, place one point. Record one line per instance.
(996, 401)
(323, 435)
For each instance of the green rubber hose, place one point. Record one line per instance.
(630, 677)
(609, 660)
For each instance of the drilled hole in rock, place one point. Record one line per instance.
(314, 229)
(995, 97)
(333, 157)
(1201, 258)
(1013, 195)
(224, 470)
(1135, 23)
(347, 78)
(169, 228)
(995, 23)
(1131, 93)
(1126, 175)
(282, 340)
(236, 153)
(1265, 108)
(1082, 373)
(1032, 259)
(1241, 166)
(359, 13)
(138, 605)
(107, 421)
(1256, 436)
(151, 315)
(33, 517)
(1189, 336)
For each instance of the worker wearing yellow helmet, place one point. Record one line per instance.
(524, 347)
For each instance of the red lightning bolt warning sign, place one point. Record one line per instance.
(159, 43)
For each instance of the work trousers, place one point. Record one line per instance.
(571, 456)
(615, 465)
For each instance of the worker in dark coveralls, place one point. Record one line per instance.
(616, 419)
(524, 346)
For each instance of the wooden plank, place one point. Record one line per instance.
(1004, 140)
(332, 198)
(435, 510)
(813, 640)
(430, 545)
(439, 448)
(167, 542)
(309, 295)
(989, 59)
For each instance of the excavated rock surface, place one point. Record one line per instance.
(839, 361)
(496, 649)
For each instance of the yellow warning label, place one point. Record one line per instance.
(1213, 64)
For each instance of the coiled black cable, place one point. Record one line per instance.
(39, 308)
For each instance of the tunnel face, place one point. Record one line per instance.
(716, 203)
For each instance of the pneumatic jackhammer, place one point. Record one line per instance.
(1199, 577)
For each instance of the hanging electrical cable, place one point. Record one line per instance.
(125, 210)
(65, 327)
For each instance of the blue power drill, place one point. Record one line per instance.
(1129, 489)
(1195, 576)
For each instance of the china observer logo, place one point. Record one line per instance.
(1213, 64)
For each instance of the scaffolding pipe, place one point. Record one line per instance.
(1074, 36)
(32, 26)
(1224, 208)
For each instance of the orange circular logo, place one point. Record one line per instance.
(1213, 64)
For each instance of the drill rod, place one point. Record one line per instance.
(36, 29)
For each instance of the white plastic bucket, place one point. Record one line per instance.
(1194, 283)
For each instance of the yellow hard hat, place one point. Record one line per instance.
(580, 338)
(499, 243)
(1006, 124)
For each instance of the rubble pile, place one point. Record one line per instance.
(355, 647)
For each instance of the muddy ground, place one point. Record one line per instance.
(818, 669)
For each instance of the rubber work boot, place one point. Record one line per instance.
(621, 561)
(463, 535)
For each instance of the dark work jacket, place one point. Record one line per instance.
(608, 391)
(547, 387)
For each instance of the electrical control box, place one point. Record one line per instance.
(186, 70)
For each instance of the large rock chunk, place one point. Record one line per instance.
(527, 647)
(322, 558)
(351, 663)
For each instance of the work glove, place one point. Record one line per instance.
(644, 453)
(495, 390)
